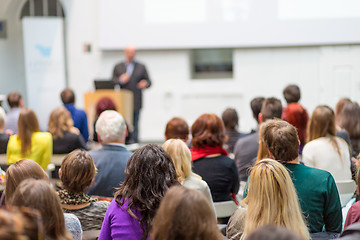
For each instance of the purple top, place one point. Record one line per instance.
(118, 224)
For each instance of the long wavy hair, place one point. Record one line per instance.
(60, 121)
(272, 199)
(27, 125)
(181, 157)
(148, 175)
(322, 124)
(185, 214)
(39, 195)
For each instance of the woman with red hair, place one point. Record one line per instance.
(210, 160)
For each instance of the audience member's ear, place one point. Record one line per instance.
(60, 173)
(299, 141)
(260, 118)
(21, 103)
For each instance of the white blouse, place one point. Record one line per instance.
(321, 154)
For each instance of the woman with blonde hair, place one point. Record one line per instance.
(29, 142)
(324, 150)
(181, 157)
(271, 199)
(66, 137)
(185, 214)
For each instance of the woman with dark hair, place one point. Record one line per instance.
(29, 142)
(231, 122)
(210, 160)
(349, 121)
(39, 195)
(324, 150)
(149, 174)
(177, 128)
(102, 105)
(185, 214)
(66, 137)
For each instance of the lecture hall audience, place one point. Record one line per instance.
(316, 189)
(294, 113)
(231, 123)
(66, 137)
(77, 173)
(4, 137)
(324, 150)
(271, 199)
(149, 174)
(112, 158)
(181, 157)
(208, 156)
(29, 142)
(185, 214)
(79, 116)
(15, 103)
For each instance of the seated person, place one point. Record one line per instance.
(79, 116)
(66, 137)
(112, 158)
(39, 195)
(15, 103)
(4, 137)
(177, 128)
(185, 214)
(324, 150)
(271, 199)
(270, 232)
(353, 215)
(77, 173)
(294, 113)
(316, 189)
(149, 174)
(231, 122)
(181, 157)
(210, 160)
(29, 142)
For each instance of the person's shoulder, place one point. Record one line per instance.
(42, 136)
(101, 204)
(310, 171)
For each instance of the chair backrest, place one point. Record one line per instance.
(346, 190)
(225, 209)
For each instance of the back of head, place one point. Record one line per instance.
(39, 195)
(185, 214)
(20, 224)
(14, 99)
(104, 104)
(148, 175)
(20, 171)
(281, 139)
(272, 199)
(67, 96)
(350, 116)
(230, 119)
(177, 128)
(270, 232)
(181, 157)
(339, 107)
(292, 93)
(256, 105)
(271, 108)
(27, 125)
(208, 130)
(77, 171)
(111, 127)
(60, 121)
(322, 123)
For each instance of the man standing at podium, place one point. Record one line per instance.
(133, 76)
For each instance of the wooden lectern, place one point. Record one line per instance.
(123, 99)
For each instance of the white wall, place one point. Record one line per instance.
(324, 73)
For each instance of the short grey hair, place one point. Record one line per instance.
(2, 116)
(111, 127)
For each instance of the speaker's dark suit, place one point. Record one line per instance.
(139, 73)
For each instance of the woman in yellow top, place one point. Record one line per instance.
(29, 142)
